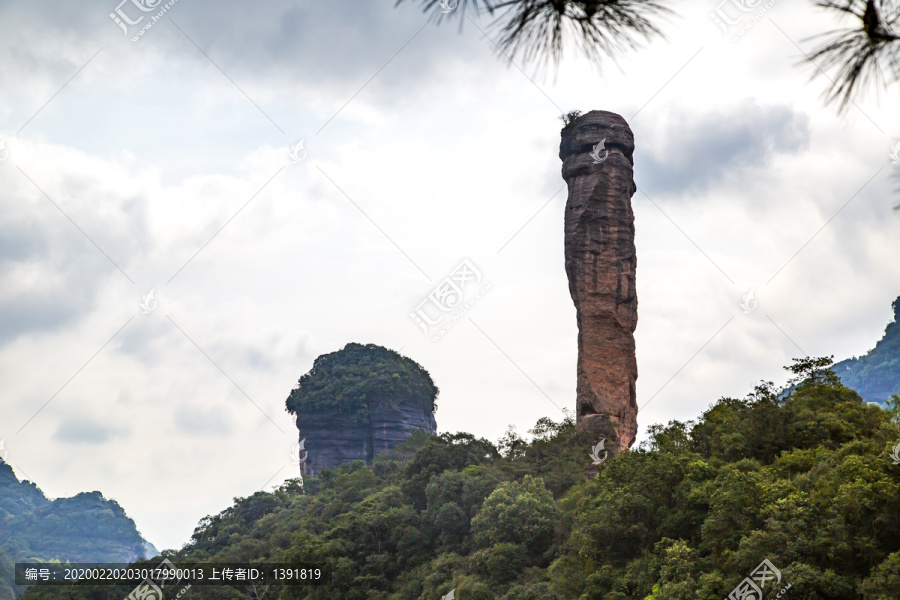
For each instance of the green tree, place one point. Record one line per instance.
(453, 499)
(517, 513)
(884, 581)
(441, 453)
(500, 563)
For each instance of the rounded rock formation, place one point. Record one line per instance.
(357, 402)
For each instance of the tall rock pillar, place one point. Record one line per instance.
(597, 152)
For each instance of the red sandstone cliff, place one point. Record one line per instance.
(600, 263)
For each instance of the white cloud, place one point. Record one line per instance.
(449, 151)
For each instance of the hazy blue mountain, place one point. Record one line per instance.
(7, 577)
(150, 550)
(84, 528)
(876, 374)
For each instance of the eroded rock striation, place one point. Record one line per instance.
(597, 152)
(357, 402)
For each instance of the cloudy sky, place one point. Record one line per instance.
(165, 164)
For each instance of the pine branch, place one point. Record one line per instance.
(864, 54)
(541, 30)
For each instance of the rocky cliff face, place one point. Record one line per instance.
(876, 374)
(597, 153)
(357, 402)
(333, 439)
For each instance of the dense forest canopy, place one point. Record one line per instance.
(804, 480)
(361, 376)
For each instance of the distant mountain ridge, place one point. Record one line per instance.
(876, 374)
(84, 528)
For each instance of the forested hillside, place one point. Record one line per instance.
(805, 481)
(876, 374)
(84, 528)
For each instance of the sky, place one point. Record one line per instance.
(286, 177)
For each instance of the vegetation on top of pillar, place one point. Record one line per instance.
(360, 377)
(569, 118)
